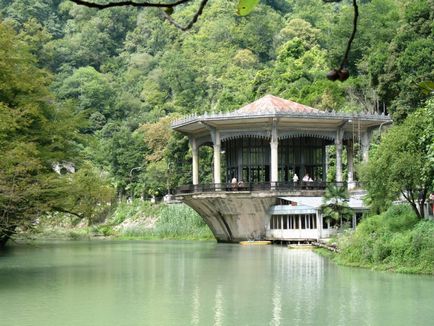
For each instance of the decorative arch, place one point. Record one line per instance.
(245, 134)
(204, 141)
(307, 133)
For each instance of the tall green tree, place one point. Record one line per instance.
(402, 166)
(34, 134)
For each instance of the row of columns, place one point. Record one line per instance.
(274, 146)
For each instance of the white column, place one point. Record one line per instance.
(195, 157)
(326, 163)
(274, 158)
(351, 183)
(274, 144)
(319, 224)
(338, 143)
(217, 149)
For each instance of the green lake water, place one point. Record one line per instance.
(199, 283)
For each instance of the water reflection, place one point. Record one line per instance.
(277, 305)
(196, 306)
(218, 308)
(190, 283)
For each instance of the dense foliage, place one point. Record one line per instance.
(119, 76)
(396, 240)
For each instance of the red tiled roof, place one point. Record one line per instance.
(274, 104)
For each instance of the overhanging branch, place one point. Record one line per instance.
(143, 4)
(344, 62)
(342, 72)
(62, 210)
(129, 3)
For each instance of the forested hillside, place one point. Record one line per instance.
(113, 80)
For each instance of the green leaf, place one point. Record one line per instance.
(245, 7)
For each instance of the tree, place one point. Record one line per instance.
(335, 204)
(403, 164)
(35, 135)
(89, 90)
(160, 173)
(89, 193)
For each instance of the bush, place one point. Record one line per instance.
(395, 240)
(400, 218)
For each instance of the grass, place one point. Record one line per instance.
(177, 222)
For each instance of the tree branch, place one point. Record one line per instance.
(344, 62)
(410, 199)
(192, 21)
(342, 72)
(128, 3)
(149, 4)
(61, 210)
(421, 200)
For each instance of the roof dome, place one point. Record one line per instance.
(273, 104)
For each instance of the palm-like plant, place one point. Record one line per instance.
(335, 204)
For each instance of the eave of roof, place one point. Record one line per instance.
(292, 110)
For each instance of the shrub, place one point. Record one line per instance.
(399, 218)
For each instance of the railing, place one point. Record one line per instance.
(249, 186)
(235, 114)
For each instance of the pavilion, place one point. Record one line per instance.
(262, 146)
